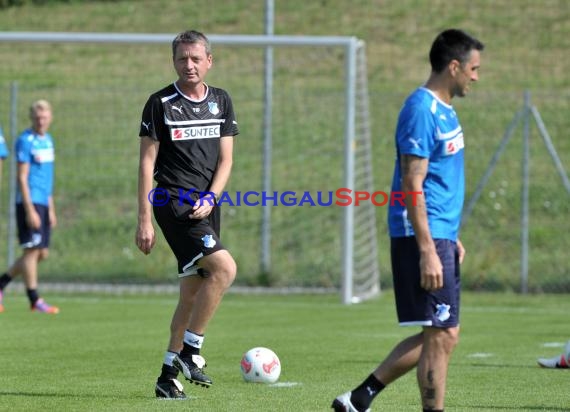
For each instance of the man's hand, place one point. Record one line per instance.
(52, 219)
(461, 251)
(431, 271)
(145, 237)
(203, 207)
(33, 219)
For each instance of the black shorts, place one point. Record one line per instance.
(30, 238)
(415, 305)
(189, 239)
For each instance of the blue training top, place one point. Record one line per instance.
(429, 128)
(38, 151)
(3, 148)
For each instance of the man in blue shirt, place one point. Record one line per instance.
(425, 249)
(35, 212)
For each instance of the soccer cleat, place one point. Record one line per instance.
(171, 389)
(42, 306)
(1, 301)
(557, 362)
(192, 369)
(342, 404)
(561, 361)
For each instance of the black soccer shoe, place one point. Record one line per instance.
(193, 369)
(342, 403)
(170, 389)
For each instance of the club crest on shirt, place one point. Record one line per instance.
(213, 108)
(209, 242)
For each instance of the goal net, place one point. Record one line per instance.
(309, 140)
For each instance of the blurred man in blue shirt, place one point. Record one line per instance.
(35, 211)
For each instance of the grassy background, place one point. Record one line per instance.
(98, 92)
(104, 353)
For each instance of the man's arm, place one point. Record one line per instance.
(220, 179)
(414, 172)
(145, 236)
(461, 251)
(51, 212)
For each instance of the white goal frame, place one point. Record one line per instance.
(354, 50)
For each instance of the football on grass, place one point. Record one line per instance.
(260, 365)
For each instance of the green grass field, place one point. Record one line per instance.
(103, 353)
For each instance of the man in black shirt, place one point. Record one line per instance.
(186, 145)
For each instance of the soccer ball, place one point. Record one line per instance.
(260, 365)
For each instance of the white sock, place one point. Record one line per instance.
(192, 339)
(169, 357)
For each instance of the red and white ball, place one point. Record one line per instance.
(260, 365)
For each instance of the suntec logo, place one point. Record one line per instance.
(200, 132)
(177, 134)
(454, 145)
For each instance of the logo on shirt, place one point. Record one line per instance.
(197, 132)
(454, 145)
(415, 142)
(213, 108)
(209, 242)
(43, 155)
(178, 109)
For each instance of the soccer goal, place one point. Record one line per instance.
(305, 131)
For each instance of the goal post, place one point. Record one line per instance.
(357, 268)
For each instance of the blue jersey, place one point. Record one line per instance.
(38, 151)
(429, 128)
(3, 148)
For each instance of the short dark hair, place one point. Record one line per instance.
(191, 36)
(452, 44)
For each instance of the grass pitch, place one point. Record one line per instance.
(103, 353)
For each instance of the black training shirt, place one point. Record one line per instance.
(189, 133)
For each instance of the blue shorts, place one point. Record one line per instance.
(28, 237)
(415, 305)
